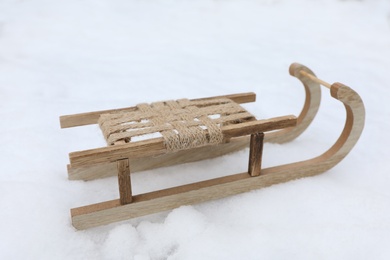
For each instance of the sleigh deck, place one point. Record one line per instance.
(194, 130)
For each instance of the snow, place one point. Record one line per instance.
(64, 57)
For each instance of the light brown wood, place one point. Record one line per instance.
(151, 147)
(92, 117)
(315, 79)
(124, 182)
(310, 108)
(255, 154)
(257, 126)
(104, 170)
(155, 146)
(143, 204)
(112, 211)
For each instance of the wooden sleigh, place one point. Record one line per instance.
(124, 156)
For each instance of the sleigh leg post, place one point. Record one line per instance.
(124, 181)
(255, 154)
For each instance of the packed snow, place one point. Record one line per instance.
(65, 57)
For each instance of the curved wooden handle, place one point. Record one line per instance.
(309, 110)
(354, 124)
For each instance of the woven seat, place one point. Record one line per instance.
(183, 124)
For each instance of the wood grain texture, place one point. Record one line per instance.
(257, 126)
(255, 154)
(151, 147)
(155, 147)
(309, 110)
(112, 211)
(124, 181)
(104, 170)
(92, 117)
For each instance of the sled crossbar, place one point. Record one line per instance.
(315, 79)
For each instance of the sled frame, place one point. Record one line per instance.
(121, 159)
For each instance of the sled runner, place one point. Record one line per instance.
(184, 131)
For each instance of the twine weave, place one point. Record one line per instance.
(183, 123)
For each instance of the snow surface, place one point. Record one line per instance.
(63, 57)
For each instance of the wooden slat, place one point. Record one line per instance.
(147, 163)
(239, 98)
(257, 126)
(255, 154)
(124, 182)
(151, 147)
(148, 203)
(92, 117)
(88, 118)
(154, 147)
(111, 211)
